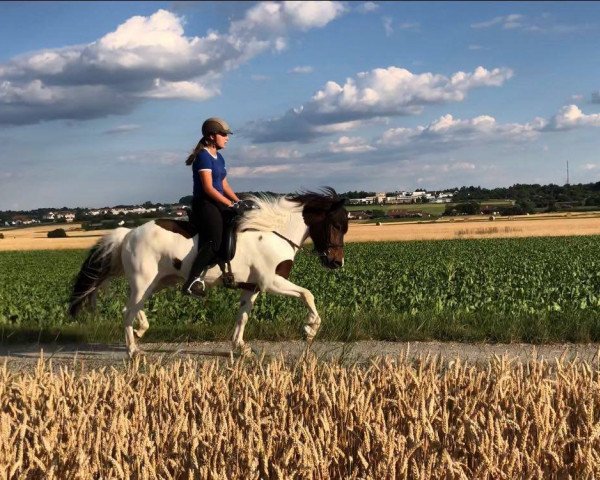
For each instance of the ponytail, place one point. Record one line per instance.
(204, 142)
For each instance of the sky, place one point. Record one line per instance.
(102, 102)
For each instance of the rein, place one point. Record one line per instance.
(293, 244)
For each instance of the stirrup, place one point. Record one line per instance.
(197, 288)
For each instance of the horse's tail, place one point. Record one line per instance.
(103, 262)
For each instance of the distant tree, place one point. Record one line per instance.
(58, 233)
(378, 213)
(465, 208)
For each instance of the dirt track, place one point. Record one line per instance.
(25, 357)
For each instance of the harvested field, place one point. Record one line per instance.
(394, 418)
(543, 225)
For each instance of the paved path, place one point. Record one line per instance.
(25, 357)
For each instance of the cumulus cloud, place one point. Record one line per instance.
(570, 117)
(449, 130)
(146, 58)
(350, 145)
(382, 92)
(447, 133)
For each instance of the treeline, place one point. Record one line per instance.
(536, 196)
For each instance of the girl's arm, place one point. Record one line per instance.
(229, 191)
(212, 192)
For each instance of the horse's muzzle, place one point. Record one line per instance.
(331, 263)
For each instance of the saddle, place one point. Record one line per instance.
(228, 243)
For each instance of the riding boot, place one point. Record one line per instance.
(205, 259)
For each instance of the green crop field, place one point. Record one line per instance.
(532, 290)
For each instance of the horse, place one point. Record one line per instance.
(160, 253)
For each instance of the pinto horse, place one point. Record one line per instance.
(160, 253)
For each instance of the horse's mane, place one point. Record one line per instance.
(274, 212)
(323, 199)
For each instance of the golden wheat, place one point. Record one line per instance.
(393, 418)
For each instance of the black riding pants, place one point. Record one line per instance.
(209, 218)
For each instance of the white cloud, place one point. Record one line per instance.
(253, 153)
(507, 22)
(410, 26)
(153, 157)
(301, 69)
(182, 90)
(261, 170)
(350, 145)
(382, 92)
(146, 58)
(387, 26)
(449, 133)
(457, 167)
(570, 116)
(367, 7)
(279, 16)
(543, 24)
(122, 129)
(447, 130)
(591, 166)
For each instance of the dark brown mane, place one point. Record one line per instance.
(321, 200)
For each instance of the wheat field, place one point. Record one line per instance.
(257, 418)
(540, 225)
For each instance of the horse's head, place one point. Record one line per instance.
(327, 221)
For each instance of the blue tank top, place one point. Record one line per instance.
(205, 161)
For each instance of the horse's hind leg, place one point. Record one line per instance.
(247, 299)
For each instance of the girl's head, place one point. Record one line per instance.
(215, 133)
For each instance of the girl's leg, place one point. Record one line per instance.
(209, 222)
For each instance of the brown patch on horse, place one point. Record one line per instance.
(181, 227)
(284, 268)
(177, 264)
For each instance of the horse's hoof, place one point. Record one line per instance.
(244, 350)
(310, 332)
(139, 333)
(137, 353)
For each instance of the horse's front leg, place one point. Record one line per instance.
(247, 299)
(281, 286)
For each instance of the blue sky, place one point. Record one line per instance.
(101, 102)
